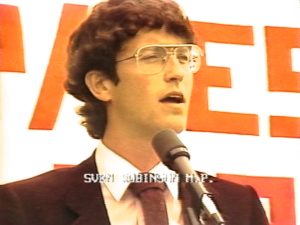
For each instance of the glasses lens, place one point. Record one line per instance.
(152, 59)
(183, 54)
(195, 59)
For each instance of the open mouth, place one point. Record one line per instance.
(173, 98)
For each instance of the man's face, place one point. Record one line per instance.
(146, 103)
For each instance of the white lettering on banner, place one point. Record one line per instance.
(295, 52)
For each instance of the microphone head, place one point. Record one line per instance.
(168, 147)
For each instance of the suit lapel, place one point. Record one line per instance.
(86, 199)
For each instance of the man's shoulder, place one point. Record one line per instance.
(46, 180)
(47, 198)
(57, 180)
(228, 188)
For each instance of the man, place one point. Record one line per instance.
(132, 63)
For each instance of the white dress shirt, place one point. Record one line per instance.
(122, 206)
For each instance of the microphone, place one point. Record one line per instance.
(174, 154)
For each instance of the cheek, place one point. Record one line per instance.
(135, 91)
(144, 93)
(130, 78)
(138, 88)
(188, 86)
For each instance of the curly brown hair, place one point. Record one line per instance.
(95, 44)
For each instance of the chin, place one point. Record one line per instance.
(177, 127)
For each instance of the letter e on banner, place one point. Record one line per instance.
(280, 41)
(200, 117)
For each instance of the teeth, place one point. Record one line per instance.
(175, 96)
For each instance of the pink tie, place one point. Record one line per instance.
(152, 198)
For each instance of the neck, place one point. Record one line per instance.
(135, 148)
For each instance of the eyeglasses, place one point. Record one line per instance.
(152, 59)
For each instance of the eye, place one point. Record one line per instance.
(151, 55)
(183, 58)
(183, 55)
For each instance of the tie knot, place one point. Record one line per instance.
(147, 185)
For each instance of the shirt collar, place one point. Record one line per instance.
(111, 164)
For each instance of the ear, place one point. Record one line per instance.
(99, 85)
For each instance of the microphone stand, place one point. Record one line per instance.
(198, 204)
(208, 214)
(175, 156)
(193, 203)
(202, 219)
(192, 217)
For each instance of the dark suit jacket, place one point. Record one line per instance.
(60, 197)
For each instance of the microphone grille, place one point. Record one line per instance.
(164, 141)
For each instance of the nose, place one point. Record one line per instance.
(174, 71)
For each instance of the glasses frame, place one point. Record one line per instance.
(165, 46)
